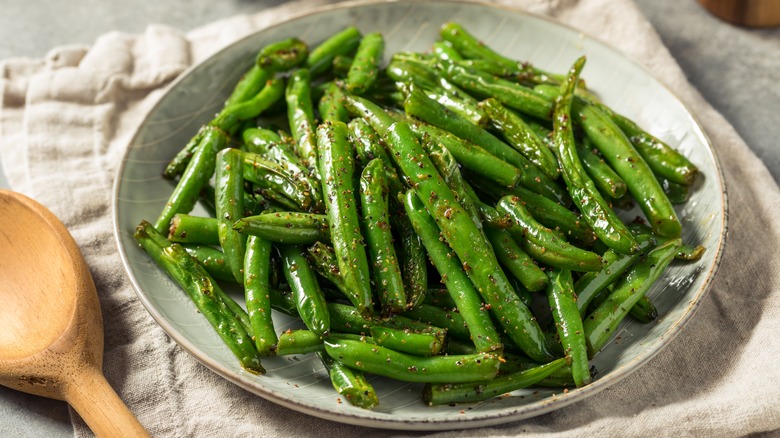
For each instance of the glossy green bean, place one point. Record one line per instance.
(195, 176)
(515, 260)
(299, 342)
(379, 120)
(193, 229)
(229, 188)
(351, 384)
(229, 118)
(309, 299)
(405, 367)
(364, 70)
(407, 341)
(568, 323)
(603, 176)
(331, 105)
(286, 227)
(257, 271)
(282, 55)
(275, 178)
(212, 259)
(338, 186)
(343, 42)
(388, 283)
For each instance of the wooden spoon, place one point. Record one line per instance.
(51, 329)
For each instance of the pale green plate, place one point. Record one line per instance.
(300, 383)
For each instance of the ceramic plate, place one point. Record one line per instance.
(300, 382)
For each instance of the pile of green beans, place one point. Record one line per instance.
(412, 214)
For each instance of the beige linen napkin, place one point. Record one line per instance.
(66, 120)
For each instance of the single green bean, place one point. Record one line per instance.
(331, 105)
(338, 186)
(384, 264)
(309, 298)
(231, 117)
(195, 176)
(291, 228)
(299, 342)
(230, 208)
(405, 367)
(257, 270)
(342, 43)
(568, 322)
(364, 70)
(351, 384)
(282, 55)
(407, 341)
(515, 260)
(603, 176)
(194, 229)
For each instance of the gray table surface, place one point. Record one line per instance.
(736, 69)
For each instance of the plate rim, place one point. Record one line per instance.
(490, 419)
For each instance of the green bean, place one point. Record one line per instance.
(439, 394)
(230, 208)
(300, 115)
(677, 193)
(665, 161)
(351, 384)
(384, 264)
(487, 66)
(203, 291)
(193, 229)
(603, 176)
(323, 260)
(468, 46)
(275, 178)
(249, 85)
(440, 297)
(471, 156)
(230, 118)
(515, 260)
(592, 283)
(282, 55)
(309, 299)
(212, 259)
(420, 106)
(485, 85)
(414, 258)
(453, 322)
(607, 226)
(195, 176)
(639, 179)
(548, 212)
(337, 172)
(341, 65)
(459, 230)
(554, 250)
(271, 145)
(299, 342)
(285, 227)
(379, 120)
(364, 70)
(521, 137)
(405, 367)
(449, 169)
(342, 43)
(644, 311)
(257, 267)
(407, 341)
(603, 321)
(179, 162)
(331, 105)
(563, 304)
(444, 50)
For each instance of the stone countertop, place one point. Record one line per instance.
(736, 69)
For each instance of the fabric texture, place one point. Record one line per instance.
(66, 120)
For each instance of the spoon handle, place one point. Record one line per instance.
(101, 408)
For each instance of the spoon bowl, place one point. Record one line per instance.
(51, 342)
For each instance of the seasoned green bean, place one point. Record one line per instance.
(286, 227)
(309, 299)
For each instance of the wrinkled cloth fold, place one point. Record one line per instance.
(66, 120)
